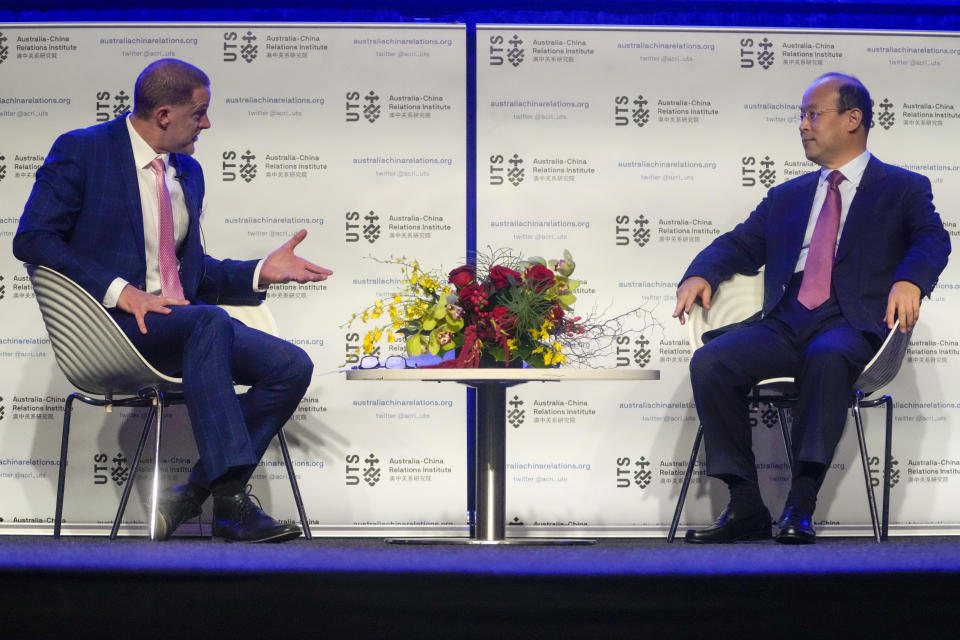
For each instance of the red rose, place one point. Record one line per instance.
(506, 322)
(539, 277)
(462, 276)
(503, 277)
(555, 315)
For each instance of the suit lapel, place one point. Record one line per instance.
(126, 167)
(798, 215)
(863, 204)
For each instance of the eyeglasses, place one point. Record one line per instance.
(812, 115)
(391, 362)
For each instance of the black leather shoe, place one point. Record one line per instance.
(734, 527)
(237, 519)
(795, 527)
(175, 506)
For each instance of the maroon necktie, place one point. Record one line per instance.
(170, 286)
(815, 286)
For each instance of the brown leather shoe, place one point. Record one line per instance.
(734, 527)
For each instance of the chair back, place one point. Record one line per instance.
(734, 300)
(90, 349)
(885, 365)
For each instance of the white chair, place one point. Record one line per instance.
(739, 298)
(98, 359)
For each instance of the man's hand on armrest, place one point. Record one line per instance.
(687, 293)
(903, 303)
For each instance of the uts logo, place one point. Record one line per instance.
(876, 472)
(369, 109)
(3, 289)
(370, 227)
(764, 413)
(119, 471)
(110, 106)
(750, 175)
(639, 233)
(641, 354)
(352, 345)
(515, 412)
(3, 168)
(509, 168)
(633, 472)
(633, 351)
(514, 55)
(4, 49)
(370, 472)
(753, 54)
(232, 167)
(235, 46)
(626, 111)
(3, 409)
(886, 118)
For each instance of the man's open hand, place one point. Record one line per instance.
(283, 265)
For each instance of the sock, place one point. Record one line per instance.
(744, 494)
(229, 484)
(807, 478)
(201, 492)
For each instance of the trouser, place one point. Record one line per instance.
(211, 352)
(818, 348)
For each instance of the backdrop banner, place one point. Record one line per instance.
(354, 132)
(634, 148)
(631, 147)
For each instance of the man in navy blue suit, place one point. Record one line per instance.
(116, 207)
(885, 250)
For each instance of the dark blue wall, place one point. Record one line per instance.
(873, 14)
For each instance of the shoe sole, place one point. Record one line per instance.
(163, 528)
(278, 536)
(753, 537)
(795, 540)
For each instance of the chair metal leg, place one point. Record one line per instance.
(128, 486)
(294, 485)
(864, 460)
(686, 484)
(787, 438)
(155, 489)
(62, 477)
(887, 461)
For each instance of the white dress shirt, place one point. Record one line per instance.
(853, 172)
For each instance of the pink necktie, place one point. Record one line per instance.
(815, 286)
(166, 251)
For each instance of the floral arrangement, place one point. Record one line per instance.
(505, 309)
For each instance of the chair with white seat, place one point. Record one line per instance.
(741, 297)
(98, 359)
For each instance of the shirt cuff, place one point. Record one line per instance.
(256, 278)
(112, 295)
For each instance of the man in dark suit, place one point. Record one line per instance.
(847, 250)
(116, 208)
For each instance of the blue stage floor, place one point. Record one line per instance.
(365, 588)
(609, 557)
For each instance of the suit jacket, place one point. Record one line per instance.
(84, 219)
(892, 232)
